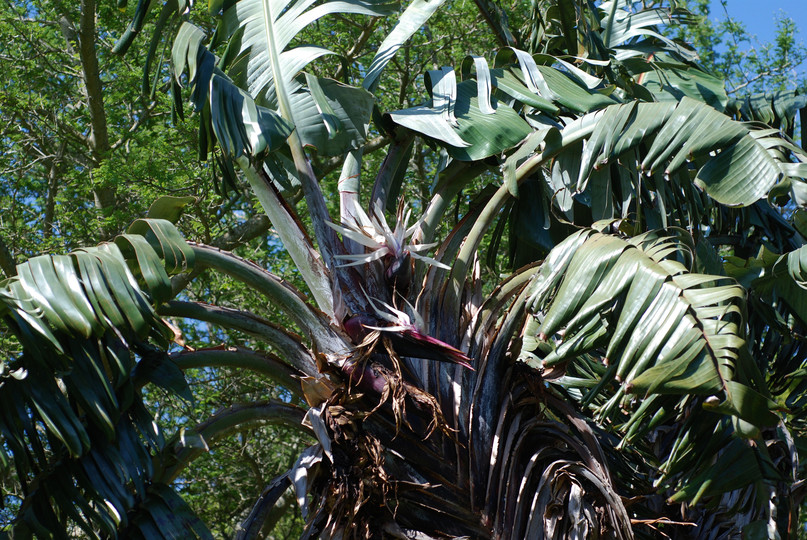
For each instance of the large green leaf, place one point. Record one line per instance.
(671, 81)
(635, 32)
(622, 23)
(475, 119)
(257, 34)
(169, 207)
(240, 126)
(350, 108)
(567, 85)
(778, 279)
(663, 332)
(266, 27)
(777, 109)
(456, 118)
(70, 410)
(735, 167)
(410, 21)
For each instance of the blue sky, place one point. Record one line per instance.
(759, 18)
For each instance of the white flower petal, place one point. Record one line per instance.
(431, 261)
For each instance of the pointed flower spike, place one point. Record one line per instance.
(422, 247)
(362, 258)
(388, 315)
(375, 234)
(433, 262)
(418, 323)
(359, 237)
(407, 340)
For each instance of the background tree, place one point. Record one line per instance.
(747, 65)
(52, 171)
(373, 395)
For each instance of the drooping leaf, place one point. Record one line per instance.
(259, 116)
(671, 81)
(410, 21)
(456, 119)
(83, 319)
(169, 208)
(664, 330)
(240, 125)
(777, 279)
(349, 114)
(742, 171)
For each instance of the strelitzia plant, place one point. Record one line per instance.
(637, 377)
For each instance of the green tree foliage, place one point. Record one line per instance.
(53, 170)
(636, 372)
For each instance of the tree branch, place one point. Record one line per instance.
(243, 233)
(497, 20)
(328, 166)
(53, 186)
(253, 524)
(356, 49)
(7, 262)
(99, 136)
(226, 422)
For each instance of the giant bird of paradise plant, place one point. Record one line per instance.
(640, 372)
